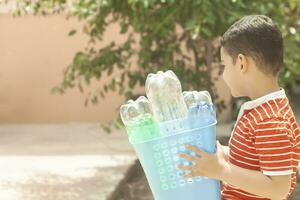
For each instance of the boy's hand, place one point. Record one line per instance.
(205, 164)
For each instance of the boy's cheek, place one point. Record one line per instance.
(230, 82)
(226, 79)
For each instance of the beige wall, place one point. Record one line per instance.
(33, 53)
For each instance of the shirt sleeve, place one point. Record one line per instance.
(274, 147)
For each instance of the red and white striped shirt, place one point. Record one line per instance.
(266, 138)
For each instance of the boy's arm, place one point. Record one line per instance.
(255, 182)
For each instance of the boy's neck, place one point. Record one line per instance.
(264, 87)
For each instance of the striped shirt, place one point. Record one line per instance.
(266, 138)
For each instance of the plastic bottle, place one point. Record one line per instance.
(164, 91)
(196, 97)
(138, 119)
(201, 111)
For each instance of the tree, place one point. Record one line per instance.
(179, 35)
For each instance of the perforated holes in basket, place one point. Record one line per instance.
(174, 150)
(173, 185)
(198, 143)
(155, 147)
(159, 162)
(181, 182)
(172, 176)
(164, 145)
(161, 171)
(174, 128)
(198, 137)
(179, 174)
(168, 160)
(168, 128)
(157, 156)
(170, 168)
(165, 186)
(163, 178)
(166, 153)
(190, 180)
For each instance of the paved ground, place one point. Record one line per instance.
(61, 162)
(70, 162)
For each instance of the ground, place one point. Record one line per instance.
(73, 161)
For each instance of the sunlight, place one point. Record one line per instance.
(32, 176)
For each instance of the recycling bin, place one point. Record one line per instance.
(158, 155)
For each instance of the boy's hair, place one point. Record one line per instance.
(258, 37)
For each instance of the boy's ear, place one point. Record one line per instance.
(242, 62)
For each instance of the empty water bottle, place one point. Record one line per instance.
(165, 94)
(196, 97)
(138, 119)
(201, 111)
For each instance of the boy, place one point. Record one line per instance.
(264, 149)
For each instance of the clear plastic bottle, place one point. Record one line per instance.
(196, 97)
(131, 111)
(138, 119)
(165, 94)
(201, 111)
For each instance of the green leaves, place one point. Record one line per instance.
(169, 34)
(72, 32)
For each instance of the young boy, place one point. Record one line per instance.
(264, 149)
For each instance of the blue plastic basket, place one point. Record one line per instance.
(159, 158)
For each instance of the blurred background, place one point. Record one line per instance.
(67, 66)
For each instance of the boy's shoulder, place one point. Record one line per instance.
(274, 110)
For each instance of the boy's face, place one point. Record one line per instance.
(232, 74)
